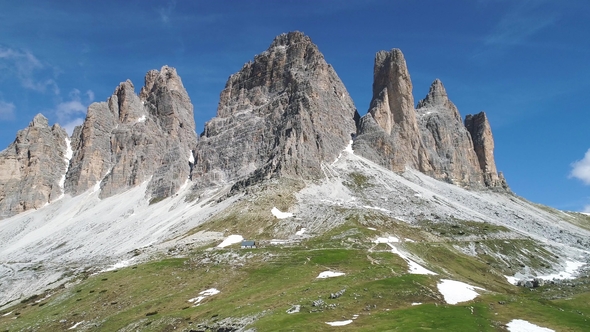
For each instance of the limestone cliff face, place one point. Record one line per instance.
(483, 143)
(284, 113)
(446, 141)
(131, 139)
(431, 138)
(32, 168)
(392, 108)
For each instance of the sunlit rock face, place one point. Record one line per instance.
(284, 113)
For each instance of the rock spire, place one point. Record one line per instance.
(431, 138)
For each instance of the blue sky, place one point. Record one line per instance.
(526, 63)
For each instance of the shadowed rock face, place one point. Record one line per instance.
(285, 113)
(483, 143)
(131, 139)
(431, 138)
(31, 168)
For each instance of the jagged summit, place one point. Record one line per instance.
(32, 166)
(431, 138)
(437, 99)
(285, 113)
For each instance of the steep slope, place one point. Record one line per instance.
(431, 139)
(32, 168)
(130, 139)
(285, 113)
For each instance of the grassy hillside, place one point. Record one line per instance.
(258, 286)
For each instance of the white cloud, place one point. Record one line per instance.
(69, 127)
(581, 169)
(586, 209)
(71, 113)
(29, 71)
(6, 110)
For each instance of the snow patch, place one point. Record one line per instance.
(203, 295)
(6, 314)
(389, 239)
(519, 325)
(75, 325)
(301, 231)
(372, 228)
(340, 323)
(232, 239)
(141, 119)
(67, 157)
(413, 267)
(191, 158)
(280, 215)
(416, 303)
(570, 269)
(329, 274)
(455, 291)
(118, 265)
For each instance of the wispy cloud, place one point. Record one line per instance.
(6, 111)
(519, 24)
(30, 72)
(71, 113)
(166, 12)
(581, 169)
(586, 209)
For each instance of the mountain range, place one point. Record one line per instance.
(135, 182)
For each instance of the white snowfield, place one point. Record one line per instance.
(329, 274)
(519, 325)
(455, 291)
(280, 215)
(232, 239)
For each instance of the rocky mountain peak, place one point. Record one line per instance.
(392, 102)
(285, 113)
(33, 167)
(438, 100)
(39, 121)
(130, 139)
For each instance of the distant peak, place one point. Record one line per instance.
(290, 38)
(437, 95)
(39, 121)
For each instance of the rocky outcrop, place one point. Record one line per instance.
(32, 168)
(446, 141)
(392, 108)
(131, 139)
(431, 138)
(483, 143)
(285, 113)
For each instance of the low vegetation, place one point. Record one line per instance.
(258, 286)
